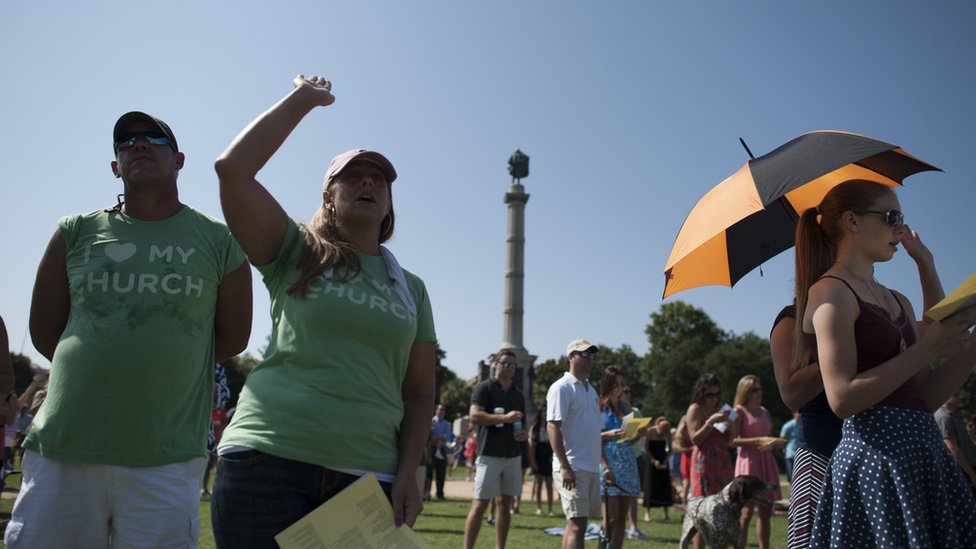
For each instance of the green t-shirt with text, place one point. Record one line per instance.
(328, 391)
(132, 376)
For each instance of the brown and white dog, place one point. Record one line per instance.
(716, 517)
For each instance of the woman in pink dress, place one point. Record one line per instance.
(754, 443)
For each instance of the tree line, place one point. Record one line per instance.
(684, 343)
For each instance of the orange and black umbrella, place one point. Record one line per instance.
(751, 216)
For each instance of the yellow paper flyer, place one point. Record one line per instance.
(960, 298)
(633, 424)
(359, 517)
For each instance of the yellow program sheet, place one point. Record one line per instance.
(962, 297)
(359, 517)
(631, 425)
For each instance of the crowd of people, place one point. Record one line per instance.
(856, 372)
(578, 440)
(135, 303)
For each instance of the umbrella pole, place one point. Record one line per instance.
(746, 147)
(788, 208)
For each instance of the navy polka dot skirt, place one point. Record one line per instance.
(892, 483)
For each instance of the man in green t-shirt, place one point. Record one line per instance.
(132, 305)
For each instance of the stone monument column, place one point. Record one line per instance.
(516, 198)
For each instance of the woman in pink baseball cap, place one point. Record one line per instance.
(346, 386)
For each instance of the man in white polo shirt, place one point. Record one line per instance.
(573, 414)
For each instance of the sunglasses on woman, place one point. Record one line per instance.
(894, 218)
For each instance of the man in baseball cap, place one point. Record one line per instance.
(574, 425)
(579, 346)
(121, 138)
(158, 292)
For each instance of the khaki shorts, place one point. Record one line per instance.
(497, 476)
(584, 501)
(65, 504)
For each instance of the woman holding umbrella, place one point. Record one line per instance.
(890, 482)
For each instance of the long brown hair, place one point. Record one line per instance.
(325, 246)
(816, 244)
(705, 381)
(608, 382)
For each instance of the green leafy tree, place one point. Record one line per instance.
(442, 374)
(456, 398)
(546, 373)
(681, 336)
(549, 371)
(674, 376)
(629, 363)
(967, 396)
(745, 354)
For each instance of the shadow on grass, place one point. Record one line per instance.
(439, 531)
(425, 513)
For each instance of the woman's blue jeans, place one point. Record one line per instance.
(257, 495)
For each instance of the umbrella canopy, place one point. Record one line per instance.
(751, 216)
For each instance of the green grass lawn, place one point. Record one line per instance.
(442, 525)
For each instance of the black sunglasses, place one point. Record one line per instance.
(712, 395)
(128, 139)
(894, 218)
(587, 354)
(509, 364)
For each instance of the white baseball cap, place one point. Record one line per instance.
(578, 346)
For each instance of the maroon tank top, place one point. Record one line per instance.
(878, 340)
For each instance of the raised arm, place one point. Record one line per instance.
(255, 218)
(928, 277)
(35, 384)
(936, 387)
(50, 303)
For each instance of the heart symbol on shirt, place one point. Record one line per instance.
(120, 252)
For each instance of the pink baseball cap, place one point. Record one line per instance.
(340, 162)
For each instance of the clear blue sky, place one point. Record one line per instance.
(629, 110)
